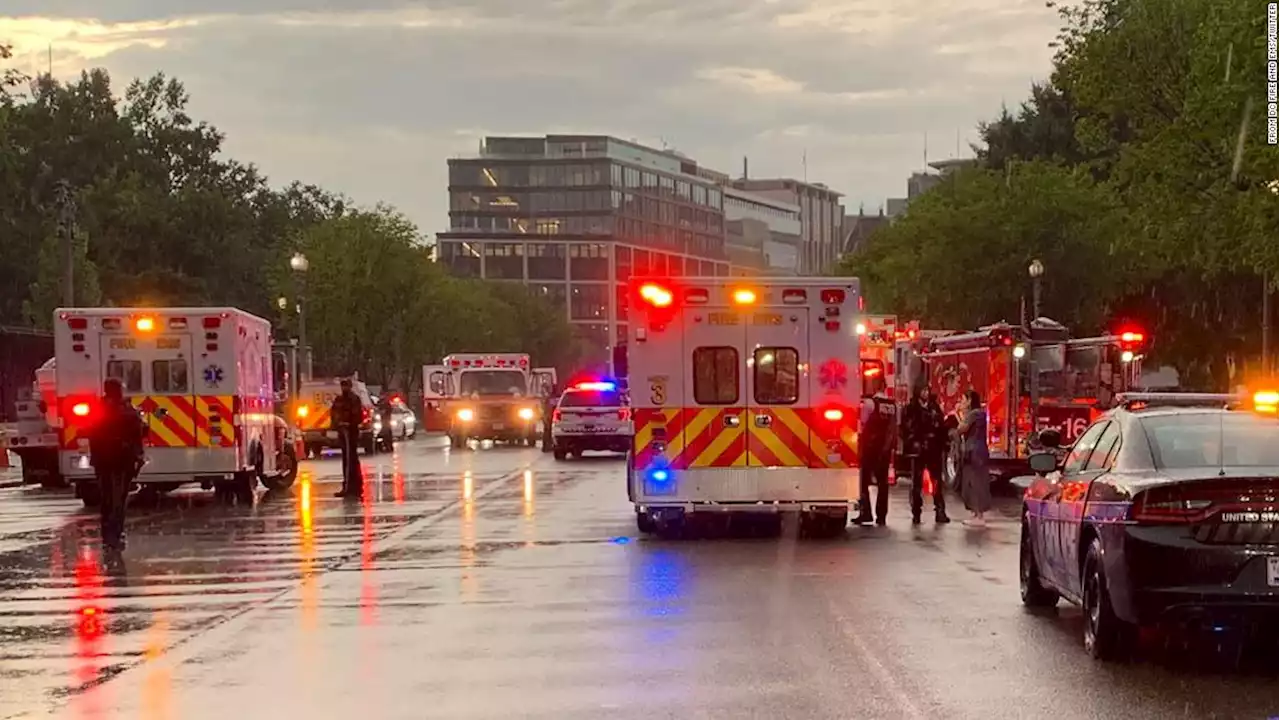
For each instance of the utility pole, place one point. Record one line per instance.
(66, 236)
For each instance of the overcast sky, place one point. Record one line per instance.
(370, 98)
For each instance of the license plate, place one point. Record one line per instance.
(331, 433)
(1273, 571)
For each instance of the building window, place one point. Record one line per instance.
(630, 177)
(462, 258)
(667, 185)
(595, 336)
(588, 261)
(649, 180)
(715, 375)
(683, 189)
(615, 175)
(588, 302)
(699, 195)
(553, 293)
(641, 263)
(546, 261)
(622, 262)
(504, 261)
(622, 300)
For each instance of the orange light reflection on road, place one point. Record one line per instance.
(467, 548)
(307, 552)
(158, 686)
(397, 480)
(90, 629)
(368, 592)
(527, 526)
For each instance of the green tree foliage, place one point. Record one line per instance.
(1153, 119)
(163, 217)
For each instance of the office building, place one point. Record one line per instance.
(821, 217)
(762, 235)
(574, 216)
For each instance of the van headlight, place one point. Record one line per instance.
(525, 413)
(466, 414)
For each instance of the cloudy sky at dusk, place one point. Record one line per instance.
(370, 98)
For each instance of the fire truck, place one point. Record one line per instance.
(743, 398)
(200, 377)
(1075, 381)
(34, 438)
(489, 396)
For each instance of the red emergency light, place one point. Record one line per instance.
(656, 295)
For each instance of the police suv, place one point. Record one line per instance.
(591, 416)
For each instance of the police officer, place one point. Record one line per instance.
(115, 451)
(549, 402)
(878, 423)
(345, 416)
(924, 439)
(386, 437)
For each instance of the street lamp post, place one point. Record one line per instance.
(1036, 271)
(300, 265)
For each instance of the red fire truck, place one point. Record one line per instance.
(1074, 380)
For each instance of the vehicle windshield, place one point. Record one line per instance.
(1192, 440)
(492, 382)
(1070, 373)
(591, 398)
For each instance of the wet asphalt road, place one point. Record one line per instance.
(499, 583)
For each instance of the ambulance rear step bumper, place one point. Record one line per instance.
(763, 507)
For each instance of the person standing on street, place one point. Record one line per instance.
(975, 478)
(345, 415)
(116, 453)
(924, 438)
(876, 437)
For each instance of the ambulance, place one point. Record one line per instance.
(489, 396)
(745, 398)
(201, 378)
(312, 415)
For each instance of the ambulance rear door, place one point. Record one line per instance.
(435, 388)
(714, 345)
(154, 366)
(777, 394)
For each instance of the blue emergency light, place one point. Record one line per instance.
(597, 386)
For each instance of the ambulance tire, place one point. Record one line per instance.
(89, 493)
(645, 523)
(286, 471)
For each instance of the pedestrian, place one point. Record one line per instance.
(975, 482)
(876, 438)
(385, 415)
(549, 402)
(345, 416)
(116, 453)
(924, 438)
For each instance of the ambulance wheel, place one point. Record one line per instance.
(89, 493)
(286, 470)
(645, 523)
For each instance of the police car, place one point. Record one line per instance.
(1162, 512)
(591, 416)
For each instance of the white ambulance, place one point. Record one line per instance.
(488, 396)
(201, 378)
(745, 397)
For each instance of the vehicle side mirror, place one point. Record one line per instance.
(1043, 463)
(1050, 438)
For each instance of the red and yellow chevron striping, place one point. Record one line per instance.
(176, 421)
(741, 437)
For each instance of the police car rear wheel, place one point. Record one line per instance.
(559, 453)
(1106, 637)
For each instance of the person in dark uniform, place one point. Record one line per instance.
(924, 439)
(876, 437)
(116, 453)
(387, 436)
(548, 411)
(345, 415)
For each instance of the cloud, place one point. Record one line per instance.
(371, 98)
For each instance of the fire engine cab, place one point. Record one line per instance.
(201, 378)
(745, 398)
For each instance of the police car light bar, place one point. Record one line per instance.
(597, 386)
(1156, 399)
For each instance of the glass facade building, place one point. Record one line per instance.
(574, 217)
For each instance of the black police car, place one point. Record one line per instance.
(1162, 512)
